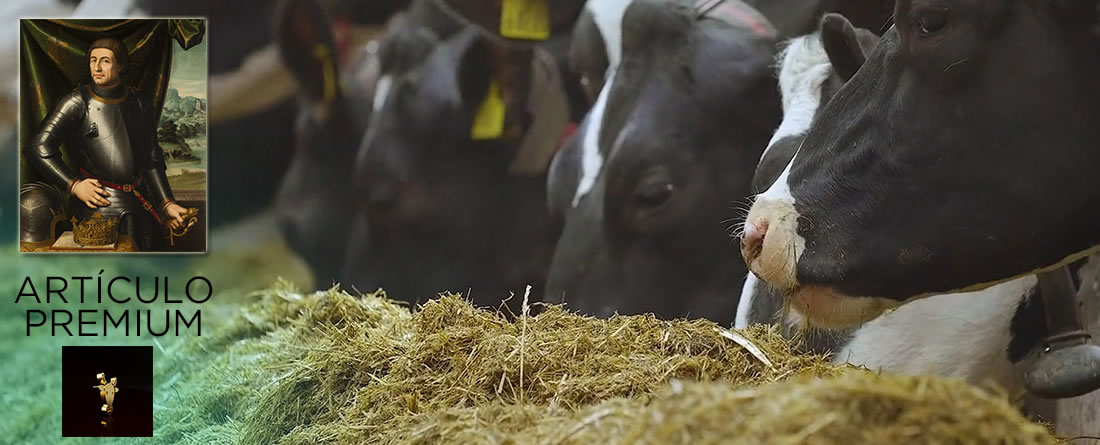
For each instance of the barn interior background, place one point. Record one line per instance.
(284, 364)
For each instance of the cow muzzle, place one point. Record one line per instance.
(771, 247)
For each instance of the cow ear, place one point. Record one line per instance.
(587, 57)
(304, 38)
(873, 15)
(842, 44)
(474, 68)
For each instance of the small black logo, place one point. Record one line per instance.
(106, 391)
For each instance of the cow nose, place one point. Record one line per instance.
(752, 242)
(771, 245)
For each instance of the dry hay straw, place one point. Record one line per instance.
(331, 368)
(210, 387)
(852, 408)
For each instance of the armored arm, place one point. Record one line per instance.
(158, 180)
(44, 151)
(155, 174)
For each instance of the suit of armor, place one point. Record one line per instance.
(112, 135)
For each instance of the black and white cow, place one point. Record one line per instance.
(981, 337)
(246, 178)
(445, 209)
(961, 155)
(315, 204)
(671, 141)
(597, 50)
(597, 38)
(809, 75)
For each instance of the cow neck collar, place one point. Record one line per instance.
(1066, 344)
(549, 107)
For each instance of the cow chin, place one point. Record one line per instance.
(778, 256)
(824, 308)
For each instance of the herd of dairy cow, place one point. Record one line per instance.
(896, 172)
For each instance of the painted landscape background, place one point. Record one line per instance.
(182, 131)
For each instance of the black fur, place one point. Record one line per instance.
(932, 170)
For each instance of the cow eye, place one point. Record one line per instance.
(654, 194)
(932, 21)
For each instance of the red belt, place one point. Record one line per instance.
(128, 188)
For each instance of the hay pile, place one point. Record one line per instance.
(853, 408)
(331, 368)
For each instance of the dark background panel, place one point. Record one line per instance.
(80, 403)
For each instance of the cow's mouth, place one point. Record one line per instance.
(825, 308)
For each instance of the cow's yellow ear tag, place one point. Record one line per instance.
(525, 19)
(489, 121)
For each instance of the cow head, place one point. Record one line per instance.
(316, 202)
(451, 174)
(811, 70)
(669, 145)
(959, 155)
(310, 204)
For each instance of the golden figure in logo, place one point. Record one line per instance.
(107, 392)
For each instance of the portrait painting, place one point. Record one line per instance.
(113, 135)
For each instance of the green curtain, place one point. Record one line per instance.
(53, 61)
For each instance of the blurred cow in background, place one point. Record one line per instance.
(316, 204)
(252, 91)
(451, 172)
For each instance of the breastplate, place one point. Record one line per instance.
(107, 146)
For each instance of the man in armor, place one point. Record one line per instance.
(111, 132)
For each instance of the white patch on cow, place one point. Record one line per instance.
(748, 291)
(952, 335)
(804, 67)
(591, 159)
(780, 190)
(608, 16)
(621, 138)
(382, 91)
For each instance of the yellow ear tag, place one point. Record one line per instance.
(489, 121)
(525, 19)
(321, 52)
